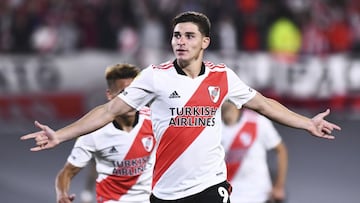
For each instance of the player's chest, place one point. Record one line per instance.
(125, 147)
(181, 91)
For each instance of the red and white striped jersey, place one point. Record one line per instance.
(186, 118)
(123, 160)
(246, 144)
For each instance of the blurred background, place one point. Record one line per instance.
(304, 53)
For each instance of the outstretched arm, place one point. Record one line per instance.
(278, 190)
(272, 109)
(62, 183)
(98, 117)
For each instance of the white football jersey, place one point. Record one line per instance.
(246, 144)
(123, 160)
(186, 120)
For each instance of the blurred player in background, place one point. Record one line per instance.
(87, 194)
(121, 149)
(186, 95)
(247, 137)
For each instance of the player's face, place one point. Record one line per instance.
(120, 85)
(188, 43)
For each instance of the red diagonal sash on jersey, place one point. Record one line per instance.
(113, 187)
(239, 148)
(176, 140)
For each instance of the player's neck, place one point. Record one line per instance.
(191, 69)
(126, 123)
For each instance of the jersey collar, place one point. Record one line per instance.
(118, 126)
(181, 72)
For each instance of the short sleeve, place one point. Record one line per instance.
(239, 92)
(82, 151)
(141, 91)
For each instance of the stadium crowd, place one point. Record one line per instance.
(316, 27)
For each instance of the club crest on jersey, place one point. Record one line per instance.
(214, 92)
(148, 143)
(246, 139)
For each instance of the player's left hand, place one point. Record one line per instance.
(45, 138)
(321, 127)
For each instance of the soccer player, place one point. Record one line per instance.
(247, 138)
(121, 149)
(185, 95)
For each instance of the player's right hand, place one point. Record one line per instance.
(45, 138)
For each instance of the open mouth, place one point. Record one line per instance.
(180, 51)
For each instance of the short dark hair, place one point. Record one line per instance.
(200, 19)
(120, 71)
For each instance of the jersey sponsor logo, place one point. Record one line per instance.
(130, 167)
(125, 175)
(174, 94)
(193, 116)
(214, 92)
